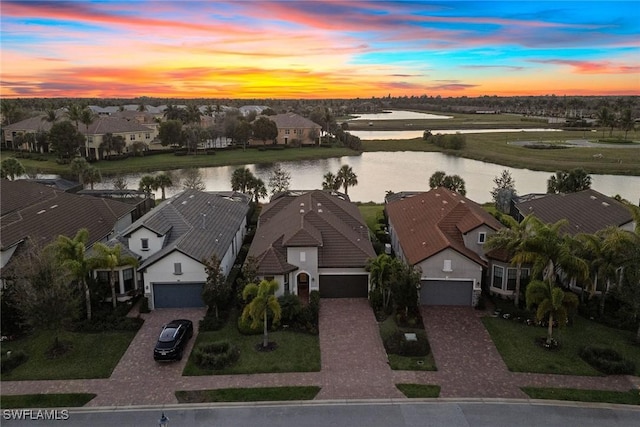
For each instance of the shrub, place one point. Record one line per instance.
(607, 361)
(144, 305)
(397, 344)
(11, 361)
(244, 327)
(210, 323)
(291, 309)
(216, 355)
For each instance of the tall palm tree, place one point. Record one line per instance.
(241, 179)
(111, 258)
(72, 254)
(512, 240)
(330, 182)
(193, 114)
(92, 175)
(163, 181)
(74, 113)
(347, 177)
(261, 302)
(147, 184)
(50, 116)
(602, 263)
(627, 121)
(79, 167)
(87, 117)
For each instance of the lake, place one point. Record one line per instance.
(399, 115)
(368, 135)
(406, 171)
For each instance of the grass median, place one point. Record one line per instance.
(258, 394)
(631, 397)
(60, 400)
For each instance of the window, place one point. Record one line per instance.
(286, 131)
(447, 265)
(498, 274)
(303, 256)
(482, 237)
(147, 136)
(90, 139)
(177, 268)
(103, 277)
(132, 137)
(127, 277)
(511, 278)
(144, 244)
(287, 290)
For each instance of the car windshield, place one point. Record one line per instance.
(168, 334)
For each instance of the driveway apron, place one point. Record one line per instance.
(354, 362)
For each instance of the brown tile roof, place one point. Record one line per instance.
(311, 219)
(35, 211)
(103, 125)
(292, 120)
(31, 124)
(427, 223)
(587, 211)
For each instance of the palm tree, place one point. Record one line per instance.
(11, 168)
(241, 180)
(380, 269)
(87, 117)
(163, 181)
(50, 116)
(72, 254)
(346, 177)
(261, 302)
(627, 122)
(552, 303)
(92, 175)
(512, 240)
(79, 167)
(193, 114)
(111, 257)
(74, 113)
(330, 182)
(147, 184)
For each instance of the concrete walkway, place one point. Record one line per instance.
(353, 363)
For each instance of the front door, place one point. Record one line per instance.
(303, 286)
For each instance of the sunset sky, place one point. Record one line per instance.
(318, 49)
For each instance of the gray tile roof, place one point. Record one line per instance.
(198, 224)
(35, 211)
(103, 125)
(292, 120)
(33, 124)
(314, 218)
(587, 211)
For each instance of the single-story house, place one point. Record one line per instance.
(443, 234)
(292, 129)
(32, 212)
(175, 237)
(313, 241)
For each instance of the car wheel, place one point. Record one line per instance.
(180, 355)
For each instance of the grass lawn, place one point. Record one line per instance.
(67, 400)
(631, 397)
(405, 363)
(296, 352)
(371, 212)
(93, 355)
(417, 391)
(259, 394)
(515, 342)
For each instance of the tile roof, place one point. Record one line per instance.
(31, 124)
(427, 223)
(103, 125)
(587, 211)
(292, 120)
(314, 218)
(198, 224)
(32, 210)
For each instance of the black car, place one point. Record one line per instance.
(173, 339)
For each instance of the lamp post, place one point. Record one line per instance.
(164, 421)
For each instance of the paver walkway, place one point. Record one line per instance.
(354, 364)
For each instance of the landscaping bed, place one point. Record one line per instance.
(258, 394)
(631, 397)
(406, 355)
(63, 400)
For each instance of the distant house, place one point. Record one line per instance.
(313, 241)
(293, 129)
(443, 234)
(131, 130)
(38, 214)
(175, 237)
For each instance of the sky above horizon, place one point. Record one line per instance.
(318, 48)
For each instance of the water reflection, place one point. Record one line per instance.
(406, 171)
(399, 115)
(368, 135)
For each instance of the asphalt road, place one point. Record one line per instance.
(355, 414)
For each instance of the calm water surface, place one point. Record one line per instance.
(399, 115)
(368, 135)
(406, 171)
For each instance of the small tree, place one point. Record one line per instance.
(552, 303)
(261, 303)
(437, 179)
(241, 180)
(279, 180)
(330, 182)
(381, 269)
(504, 191)
(170, 133)
(265, 130)
(216, 291)
(72, 254)
(12, 168)
(192, 179)
(78, 167)
(164, 181)
(147, 184)
(569, 181)
(455, 183)
(92, 175)
(65, 139)
(119, 182)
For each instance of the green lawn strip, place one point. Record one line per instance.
(419, 391)
(93, 355)
(405, 363)
(62, 400)
(370, 213)
(169, 161)
(258, 394)
(631, 397)
(515, 343)
(296, 352)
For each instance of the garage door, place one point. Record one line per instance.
(344, 286)
(446, 292)
(177, 295)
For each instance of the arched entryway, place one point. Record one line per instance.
(302, 284)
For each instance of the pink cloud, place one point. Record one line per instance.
(592, 67)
